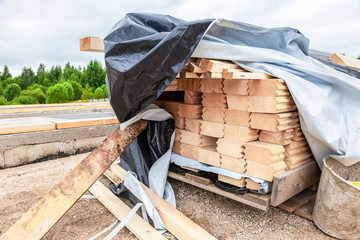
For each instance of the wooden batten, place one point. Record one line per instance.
(237, 117)
(213, 114)
(282, 137)
(192, 125)
(211, 85)
(252, 185)
(172, 108)
(263, 152)
(196, 139)
(189, 151)
(245, 75)
(268, 87)
(179, 122)
(191, 84)
(240, 133)
(270, 104)
(190, 111)
(274, 122)
(232, 181)
(238, 102)
(264, 171)
(191, 97)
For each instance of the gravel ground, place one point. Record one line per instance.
(23, 186)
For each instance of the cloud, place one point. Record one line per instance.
(34, 32)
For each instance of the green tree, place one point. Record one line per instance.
(101, 92)
(54, 74)
(24, 100)
(87, 93)
(11, 91)
(3, 100)
(93, 75)
(7, 82)
(1, 90)
(78, 90)
(40, 74)
(57, 94)
(70, 70)
(19, 81)
(37, 93)
(6, 73)
(35, 86)
(70, 90)
(28, 76)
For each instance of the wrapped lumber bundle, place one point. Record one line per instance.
(237, 120)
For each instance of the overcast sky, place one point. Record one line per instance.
(39, 31)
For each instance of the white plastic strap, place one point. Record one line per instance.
(88, 197)
(105, 230)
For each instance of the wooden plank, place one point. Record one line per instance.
(264, 171)
(179, 122)
(175, 85)
(238, 102)
(290, 183)
(197, 179)
(254, 200)
(189, 151)
(62, 123)
(240, 133)
(230, 147)
(245, 75)
(211, 85)
(345, 61)
(237, 117)
(36, 222)
(190, 111)
(172, 107)
(212, 65)
(191, 84)
(92, 44)
(236, 86)
(268, 87)
(209, 155)
(215, 100)
(191, 97)
(191, 169)
(282, 138)
(264, 152)
(51, 108)
(270, 104)
(177, 134)
(298, 201)
(232, 163)
(175, 221)
(275, 122)
(196, 139)
(23, 125)
(212, 114)
(192, 125)
(232, 181)
(252, 185)
(212, 129)
(138, 226)
(176, 147)
(306, 210)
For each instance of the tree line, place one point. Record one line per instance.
(54, 85)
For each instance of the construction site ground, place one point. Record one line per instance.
(21, 187)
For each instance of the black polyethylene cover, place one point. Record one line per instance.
(143, 54)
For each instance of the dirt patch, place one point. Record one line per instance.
(21, 187)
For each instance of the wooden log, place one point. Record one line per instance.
(215, 100)
(236, 86)
(190, 111)
(238, 102)
(232, 181)
(290, 183)
(270, 104)
(268, 87)
(172, 107)
(192, 125)
(138, 226)
(240, 133)
(264, 171)
(191, 84)
(179, 122)
(211, 85)
(274, 122)
(189, 151)
(282, 138)
(211, 114)
(191, 97)
(175, 221)
(230, 147)
(232, 163)
(196, 139)
(212, 129)
(237, 117)
(263, 152)
(209, 155)
(92, 44)
(36, 222)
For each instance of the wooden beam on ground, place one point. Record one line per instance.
(175, 221)
(345, 61)
(51, 108)
(36, 222)
(290, 183)
(138, 226)
(92, 44)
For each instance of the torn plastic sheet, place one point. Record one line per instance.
(188, 162)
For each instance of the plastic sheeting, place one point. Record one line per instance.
(144, 52)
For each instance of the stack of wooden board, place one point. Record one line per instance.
(238, 120)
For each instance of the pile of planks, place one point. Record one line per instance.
(237, 120)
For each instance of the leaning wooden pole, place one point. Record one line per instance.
(36, 222)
